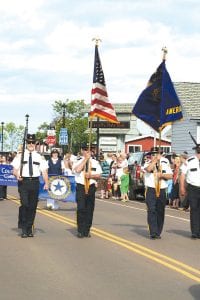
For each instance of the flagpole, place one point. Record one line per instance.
(164, 49)
(96, 40)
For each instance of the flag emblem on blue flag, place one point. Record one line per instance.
(158, 105)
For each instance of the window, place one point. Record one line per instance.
(134, 148)
(166, 149)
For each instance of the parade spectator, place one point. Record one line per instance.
(124, 185)
(184, 200)
(109, 186)
(113, 171)
(175, 186)
(3, 188)
(121, 164)
(109, 158)
(103, 181)
(67, 165)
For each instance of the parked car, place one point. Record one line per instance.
(136, 186)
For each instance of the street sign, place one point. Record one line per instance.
(51, 132)
(63, 137)
(51, 140)
(105, 124)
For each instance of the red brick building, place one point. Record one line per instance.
(145, 143)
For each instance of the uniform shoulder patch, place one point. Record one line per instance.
(191, 158)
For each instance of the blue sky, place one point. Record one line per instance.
(47, 53)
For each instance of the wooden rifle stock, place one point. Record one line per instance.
(157, 180)
(87, 181)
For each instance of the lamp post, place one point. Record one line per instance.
(2, 124)
(63, 123)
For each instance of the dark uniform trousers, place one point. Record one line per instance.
(29, 191)
(155, 210)
(85, 207)
(194, 202)
(3, 192)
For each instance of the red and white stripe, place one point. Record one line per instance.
(100, 105)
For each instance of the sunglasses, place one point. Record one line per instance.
(31, 143)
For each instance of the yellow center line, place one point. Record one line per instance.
(164, 260)
(143, 209)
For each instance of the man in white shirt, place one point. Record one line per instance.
(190, 176)
(87, 170)
(27, 173)
(157, 172)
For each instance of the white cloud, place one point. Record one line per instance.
(46, 48)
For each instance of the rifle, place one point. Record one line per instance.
(23, 150)
(193, 138)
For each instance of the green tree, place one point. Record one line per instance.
(13, 136)
(72, 115)
(42, 131)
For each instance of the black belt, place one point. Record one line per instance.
(80, 184)
(151, 188)
(30, 178)
(194, 186)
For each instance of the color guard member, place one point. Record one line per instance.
(33, 165)
(157, 172)
(87, 170)
(190, 176)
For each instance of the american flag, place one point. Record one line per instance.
(100, 105)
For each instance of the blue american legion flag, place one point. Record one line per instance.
(158, 105)
(100, 105)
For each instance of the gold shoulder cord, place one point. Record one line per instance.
(86, 180)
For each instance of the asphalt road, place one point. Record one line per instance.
(118, 262)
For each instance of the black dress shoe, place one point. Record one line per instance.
(194, 236)
(80, 235)
(24, 235)
(87, 234)
(153, 236)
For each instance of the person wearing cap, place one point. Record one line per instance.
(157, 172)
(55, 167)
(87, 170)
(27, 172)
(190, 176)
(55, 163)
